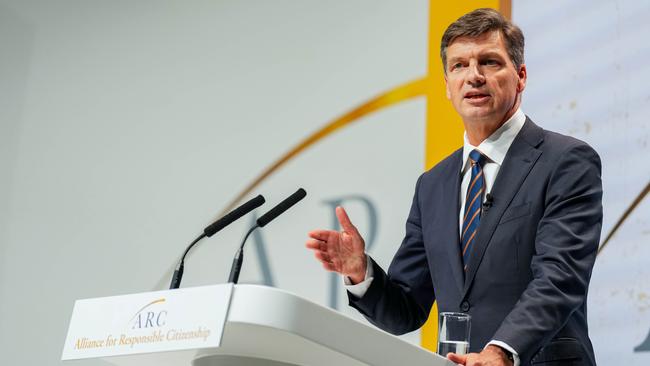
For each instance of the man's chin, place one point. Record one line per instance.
(477, 114)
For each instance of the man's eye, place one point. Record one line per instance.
(491, 62)
(457, 65)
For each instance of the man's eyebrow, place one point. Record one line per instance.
(455, 59)
(490, 54)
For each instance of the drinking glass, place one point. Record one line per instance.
(453, 333)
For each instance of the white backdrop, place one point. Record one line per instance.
(126, 127)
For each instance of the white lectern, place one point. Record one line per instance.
(271, 327)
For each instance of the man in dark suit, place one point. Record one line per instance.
(505, 229)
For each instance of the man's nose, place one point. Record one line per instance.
(475, 76)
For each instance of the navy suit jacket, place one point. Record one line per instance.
(530, 265)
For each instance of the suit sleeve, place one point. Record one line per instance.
(565, 250)
(400, 301)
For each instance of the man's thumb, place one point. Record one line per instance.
(459, 359)
(344, 220)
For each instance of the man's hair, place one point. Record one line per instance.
(480, 21)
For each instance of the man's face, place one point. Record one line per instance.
(482, 82)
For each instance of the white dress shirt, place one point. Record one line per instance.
(494, 148)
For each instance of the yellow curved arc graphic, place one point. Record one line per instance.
(161, 300)
(396, 95)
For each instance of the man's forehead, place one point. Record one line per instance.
(493, 38)
(489, 42)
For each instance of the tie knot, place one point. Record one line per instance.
(476, 157)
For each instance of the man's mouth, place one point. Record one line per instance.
(476, 95)
(477, 98)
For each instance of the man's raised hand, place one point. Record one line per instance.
(342, 252)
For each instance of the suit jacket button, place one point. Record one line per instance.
(464, 306)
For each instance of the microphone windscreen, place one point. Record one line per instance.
(281, 207)
(234, 215)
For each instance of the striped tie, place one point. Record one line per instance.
(473, 202)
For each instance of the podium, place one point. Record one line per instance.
(267, 326)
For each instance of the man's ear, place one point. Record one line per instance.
(447, 87)
(523, 74)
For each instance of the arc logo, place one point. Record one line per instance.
(149, 316)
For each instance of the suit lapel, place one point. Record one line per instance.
(449, 195)
(521, 157)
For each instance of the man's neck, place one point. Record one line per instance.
(479, 130)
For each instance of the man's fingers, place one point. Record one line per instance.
(328, 263)
(322, 235)
(323, 257)
(316, 244)
(344, 220)
(459, 359)
(329, 267)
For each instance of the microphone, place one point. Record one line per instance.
(281, 207)
(261, 222)
(234, 215)
(489, 200)
(212, 229)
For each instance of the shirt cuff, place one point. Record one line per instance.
(504, 345)
(362, 287)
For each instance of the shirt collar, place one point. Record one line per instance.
(497, 144)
